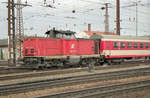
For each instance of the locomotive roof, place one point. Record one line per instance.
(60, 31)
(117, 37)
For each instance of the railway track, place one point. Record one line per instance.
(30, 74)
(12, 70)
(102, 91)
(19, 70)
(68, 81)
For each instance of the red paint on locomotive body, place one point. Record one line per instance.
(86, 47)
(41, 47)
(55, 47)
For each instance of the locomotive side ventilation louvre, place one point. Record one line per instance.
(32, 51)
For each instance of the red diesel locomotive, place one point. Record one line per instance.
(64, 49)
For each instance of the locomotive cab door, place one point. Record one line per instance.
(99, 47)
(96, 47)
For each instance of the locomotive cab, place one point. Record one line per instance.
(60, 34)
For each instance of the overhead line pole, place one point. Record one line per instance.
(11, 33)
(106, 18)
(9, 55)
(19, 25)
(136, 3)
(136, 19)
(118, 17)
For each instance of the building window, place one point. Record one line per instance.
(115, 45)
(122, 45)
(141, 45)
(135, 45)
(147, 45)
(129, 45)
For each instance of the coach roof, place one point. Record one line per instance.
(117, 37)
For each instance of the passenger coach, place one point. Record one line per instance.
(126, 47)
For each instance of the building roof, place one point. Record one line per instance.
(90, 33)
(3, 42)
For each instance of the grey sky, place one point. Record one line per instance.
(38, 19)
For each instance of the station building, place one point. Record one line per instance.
(88, 34)
(3, 49)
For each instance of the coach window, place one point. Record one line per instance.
(122, 45)
(147, 45)
(135, 45)
(115, 45)
(141, 45)
(129, 45)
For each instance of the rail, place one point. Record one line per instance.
(61, 82)
(101, 91)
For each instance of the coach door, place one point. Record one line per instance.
(108, 48)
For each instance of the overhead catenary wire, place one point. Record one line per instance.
(82, 12)
(89, 2)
